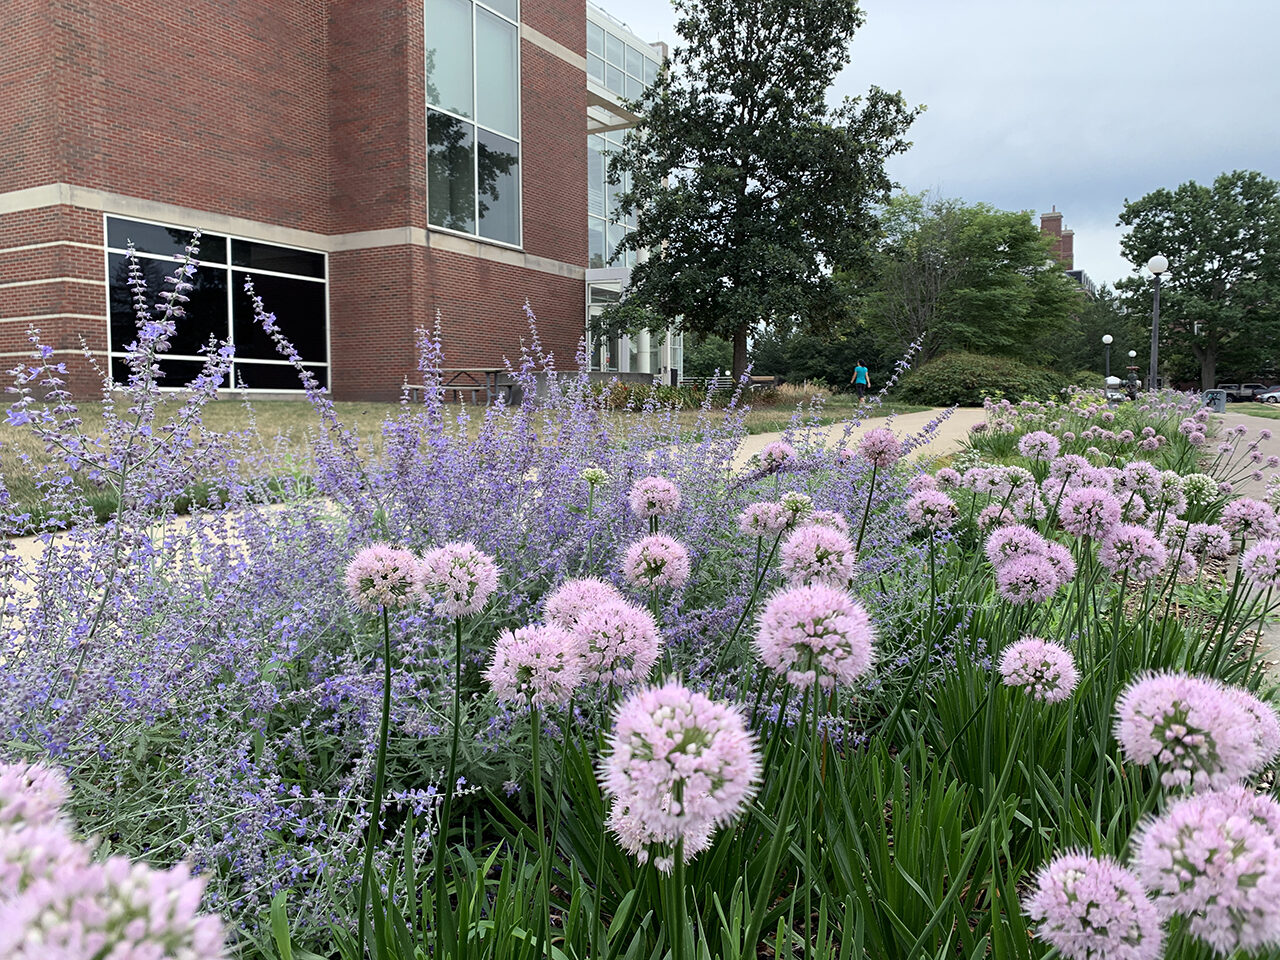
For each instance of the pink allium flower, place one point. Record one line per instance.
(679, 766)
(995, 515)
(1214, 858)
(777, 455)
(1150, 445)
(620, 643)
(1027, 579)
(567, 603)
(829, 518)
(1094, 909)
(1261, 564)
(541, 664)
(30, 854)
(817, 633)
(1196, 731)
(1169, 496)
(1063, 563)
(1208, 540)
(922, 481)
(1247, 517)
(1013, 541)
(817, 553)
(797, 506)
(1042, 669)
(654, 497)
(948, 479)
(1134, 551)
(767, 518)
(1088, 512)
(1017, 481)
(31, 794)
(1197, 439)
(381, 576)
(1067, 466)
(880, 447)
(1133, 509)
(1039, 445)
(111, 909)
(656, 561)
(1266, 725)
(932, 510)
(458, 577)
(1099, 478)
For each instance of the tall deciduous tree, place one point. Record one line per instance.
(1220, 300)
(964, 277)
(748, 186)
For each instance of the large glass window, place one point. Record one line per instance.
(606, 225)
(291, 282)
(473, 120)
(623, 68)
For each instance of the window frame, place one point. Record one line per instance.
(477, 126)
(228, 268)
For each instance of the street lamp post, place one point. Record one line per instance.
(1157, 265)
(1106, 342)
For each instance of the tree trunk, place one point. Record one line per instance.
(739, 351)
(1208, 369)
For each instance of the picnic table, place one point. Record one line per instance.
(472, 380)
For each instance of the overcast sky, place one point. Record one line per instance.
(1080, 104)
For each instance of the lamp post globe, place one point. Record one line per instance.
(1106, 342)
(1157, 265)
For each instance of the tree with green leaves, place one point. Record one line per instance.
(964, 277)
(1220, 299)
(748, 187)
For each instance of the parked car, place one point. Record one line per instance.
(1269, 396)
(1238, 392)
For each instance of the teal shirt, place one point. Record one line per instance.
(859, 374)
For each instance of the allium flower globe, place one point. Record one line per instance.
(1248, 518)
(654, 497)
(620, 643)
(570, 601)
(1133, 551)
(381, 576)
(1039, 445)
(1088, 512)
(594, 476)
(1013, 541)
(656, 561)
(1214, 858)
(829, 518)
(1027, 579)
(1094, 909)
(816, 633)
(880, 447)
(542, 664)
(1041, 669)
(764, 519)
(678, 767)
(948, 479)
(817, 554)
(798, 507)
(1261, 564)
(1208, 540)
(922, 481)
(1196, 732)
(777, 455)
(1063, 563)
(932, 510)
(458, 578)
(1200, 488)
(31, 794)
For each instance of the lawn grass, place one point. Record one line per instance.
(1268, 411)
(287, 429)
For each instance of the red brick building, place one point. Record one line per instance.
(368, 162)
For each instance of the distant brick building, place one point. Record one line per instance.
(1064, 248)
(369, 162)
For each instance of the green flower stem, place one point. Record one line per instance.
(544, 856)
(374, 835)
(446, 809)
(871, 489)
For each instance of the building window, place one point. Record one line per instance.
(606, 226)
(292, 283)
(625, 70)
(473, 117)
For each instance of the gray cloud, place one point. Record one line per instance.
(1079, 105)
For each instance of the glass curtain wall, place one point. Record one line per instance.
(621, 67)
(473, 117)
(606, 226)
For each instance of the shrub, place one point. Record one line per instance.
(966, 379)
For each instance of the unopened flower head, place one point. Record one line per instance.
(679, 766)
(381, 576)
(1039, 445)
(656, 561)
(932, 510)
(816, 633)
(594, 476)
(573, 599)
(880, 447)
(1094, 909)
(1089, 512)
(541, 664)
(815, 553)
(1196, 732)
(620, 643)
(654, 497)
(798, 507)
(458, 578)
(1214, 858)
(1041, 669)
(1133, 551)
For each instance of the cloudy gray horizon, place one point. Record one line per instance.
(1032, 105)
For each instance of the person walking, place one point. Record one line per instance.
(861, 379)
